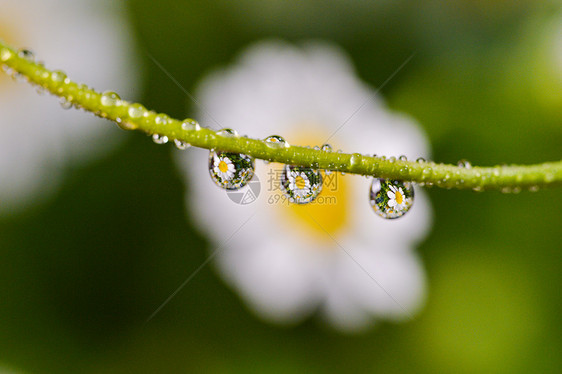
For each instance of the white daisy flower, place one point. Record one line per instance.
(396, 198)
(91, 42)
(224, 168)
(335, 256)
(299, 184)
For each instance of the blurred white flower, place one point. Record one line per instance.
(335, 254)
(89, 40)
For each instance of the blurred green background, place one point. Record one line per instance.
(81, 272)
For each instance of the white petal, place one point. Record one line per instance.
(387, 282)
(277, 280)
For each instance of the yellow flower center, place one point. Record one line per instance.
(329, 213)
(300, 182)
(399, 197)
(223, 167)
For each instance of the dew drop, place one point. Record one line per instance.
(159, 139)
(109, 98)
(403, 158)
(391, 198)
(136, 111)
(64, 103)
(161, 119)
(301, 185)
(18, 77)
(230, 171)
(58, 76)
(420, 160)
(427, 172)
(227, 133)
(181, 145)
(26, 54)
(327, 148)
(6, 54)
(275, 142)
(355, 159)
(464, 164)
(189, 125)
(392, 159)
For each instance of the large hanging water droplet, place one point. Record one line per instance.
(302, 185)
(276, 142)
(230, 171)
(390, 198)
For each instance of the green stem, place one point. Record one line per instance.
(132, 116)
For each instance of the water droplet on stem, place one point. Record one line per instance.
(276, 142)
(109, 99)
(181, 145)
(464, 164)
(159, 139)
